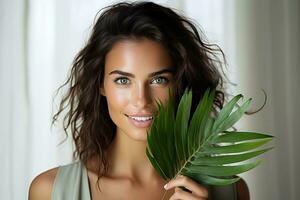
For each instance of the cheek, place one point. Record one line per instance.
(162, 95)
(116, 100)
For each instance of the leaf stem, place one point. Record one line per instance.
(164, 195)
(197, 150)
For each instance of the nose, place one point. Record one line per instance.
(141, 96)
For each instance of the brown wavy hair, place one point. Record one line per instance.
(198, 66)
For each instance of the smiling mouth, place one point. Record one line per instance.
(141, 118)
(140, 121)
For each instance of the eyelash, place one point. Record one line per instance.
(120, 78)
(163, 78)
(166, 80)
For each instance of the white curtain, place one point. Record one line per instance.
(39, 39)
(267, 56)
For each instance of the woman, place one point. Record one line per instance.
(136, 53)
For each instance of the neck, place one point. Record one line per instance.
(127, 158)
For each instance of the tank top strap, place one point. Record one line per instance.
(71, 182)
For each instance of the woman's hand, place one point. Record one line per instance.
(198, 192)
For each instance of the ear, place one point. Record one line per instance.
(102, 91)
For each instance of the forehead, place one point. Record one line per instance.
(132, 55)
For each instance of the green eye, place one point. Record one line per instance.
(121, 80)
(160, 80)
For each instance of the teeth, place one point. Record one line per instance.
(141, 118)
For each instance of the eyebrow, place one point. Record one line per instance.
(150, 75)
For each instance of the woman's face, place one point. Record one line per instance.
(137, 73)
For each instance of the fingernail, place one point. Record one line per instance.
(166, 186)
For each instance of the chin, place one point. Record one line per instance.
(140, 135)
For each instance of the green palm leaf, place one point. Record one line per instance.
(200, 146)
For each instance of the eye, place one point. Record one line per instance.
(122, 80)
(160, 80)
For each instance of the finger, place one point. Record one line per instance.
(182, 195)
(189, 184)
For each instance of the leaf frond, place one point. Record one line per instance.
(200, 146)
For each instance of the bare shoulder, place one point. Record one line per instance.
(41, 186)
(242, 190)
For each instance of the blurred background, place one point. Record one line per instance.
(39, 39)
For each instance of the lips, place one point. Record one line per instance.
(140, 115)
(140, 120)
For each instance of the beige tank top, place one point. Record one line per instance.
(71, 183)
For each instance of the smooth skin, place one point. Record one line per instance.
(137, 73)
